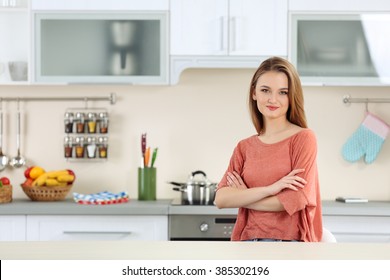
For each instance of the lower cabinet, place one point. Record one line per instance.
(371, 229)
(12, 227)
(90, 227)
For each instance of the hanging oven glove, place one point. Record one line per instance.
(366, 140)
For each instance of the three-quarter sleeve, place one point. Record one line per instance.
(305, 200)
(235, 164)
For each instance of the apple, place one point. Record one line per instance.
(5, 181)
(33, 172)
(28, 182)
(27, 172)
(71, 173)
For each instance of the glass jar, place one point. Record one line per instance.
(80, 122)
(103, 147)
(68, 147)
(103, 122)
(79, 147)
(91, 147)
(68, 119)
(91, 122)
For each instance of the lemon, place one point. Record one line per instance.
(36, 171)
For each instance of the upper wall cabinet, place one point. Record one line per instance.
(351, 50)
(339, 6)
(95, 5)
(101, 47)
(226, 33)
(14, 42)
(100, 42)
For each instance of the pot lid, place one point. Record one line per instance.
(199, 178)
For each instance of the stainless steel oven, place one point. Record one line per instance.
(201, 227)
(200, 222)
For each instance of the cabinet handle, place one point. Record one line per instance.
(221, 29)
(233, 33)
(97, 232)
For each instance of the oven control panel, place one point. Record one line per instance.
(202, 227)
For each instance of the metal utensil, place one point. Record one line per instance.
(18, 161)
(196, 192)
(3, 158)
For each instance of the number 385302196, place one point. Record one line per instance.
(241, 270)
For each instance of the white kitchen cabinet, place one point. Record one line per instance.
(347, 228)
(339, 6)
(350, 51)
(226, 33)
(96, 227)
(12, 228)
(100, 47)
(198, 27)
(15, 42)
(77, 5)
(258, 27)
(229, 27)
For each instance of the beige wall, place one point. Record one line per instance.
(195, 125)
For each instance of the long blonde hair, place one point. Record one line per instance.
(295, 112)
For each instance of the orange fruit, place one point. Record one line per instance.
(36, 171)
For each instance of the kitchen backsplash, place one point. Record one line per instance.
(195, 125)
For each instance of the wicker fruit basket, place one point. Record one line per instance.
(44, 193)
(6, 194)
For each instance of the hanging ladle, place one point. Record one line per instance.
(3, 158)
(18, 161)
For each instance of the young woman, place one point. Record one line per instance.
(272, 176)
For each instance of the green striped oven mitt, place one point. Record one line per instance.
(367, 140)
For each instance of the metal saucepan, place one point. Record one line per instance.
(197, 191)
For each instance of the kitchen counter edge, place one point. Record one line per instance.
(164, 207)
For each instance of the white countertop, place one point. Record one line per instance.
(191, 250)
(164, 207)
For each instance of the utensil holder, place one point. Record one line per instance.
(147, 183)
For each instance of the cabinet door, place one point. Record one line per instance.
(12, 228)
(358, 228)
(339, 6)
(94, 5)
(45, 228)
(258, 27)
(101, 48)
(350, 51)
(14, 45)
(199, 27)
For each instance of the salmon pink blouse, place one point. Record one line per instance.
(261, 164)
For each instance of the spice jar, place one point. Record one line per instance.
(91, 147)
(80, 121)
(103, 122)
(103, 147)
(79, 147)
(68, 119)
(91, 122)
(68, 147)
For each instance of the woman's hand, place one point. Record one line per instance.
(290, 181)
(235, 180)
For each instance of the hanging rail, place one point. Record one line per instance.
(348, 99)
(111, 98)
